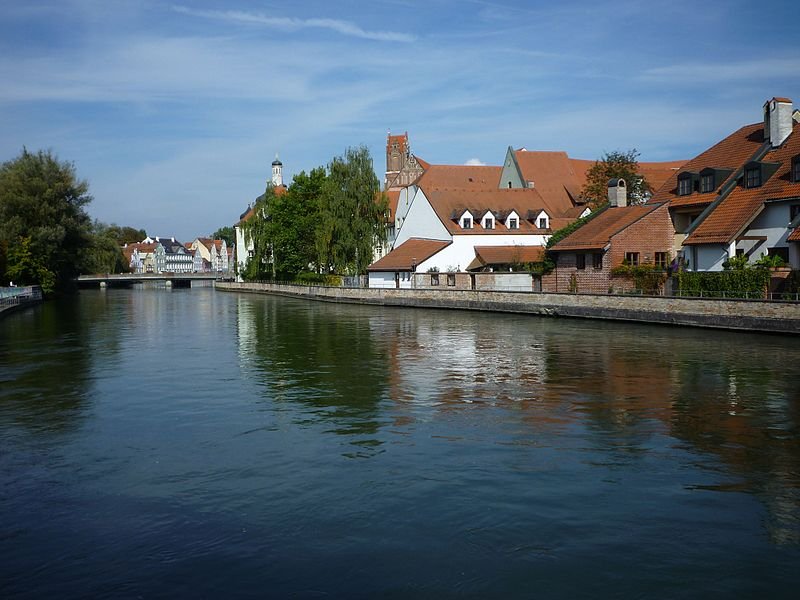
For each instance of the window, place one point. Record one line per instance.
(706, 183)
(580, 261)
(796, 169)
(434, 279)
(782, 252)
(632, 258)
(661, 260)
(685, 186)
(794, 210)
(597, 260)
(752, 178)
(466, 223)
(488, 223)
(513, 223)
(509, 185)
(451, 279)
(542, 223)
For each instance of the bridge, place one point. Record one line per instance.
(128, 279)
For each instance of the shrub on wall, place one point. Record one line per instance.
(739, 283)
(648, 279)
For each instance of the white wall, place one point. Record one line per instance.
(421, 222)
(385, 279)
(773, 223)
(458, 255)
(708, 257)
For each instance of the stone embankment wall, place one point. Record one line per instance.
(778, 317)
(15, 298)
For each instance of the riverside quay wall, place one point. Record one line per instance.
(746, 315)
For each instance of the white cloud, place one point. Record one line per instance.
(337, 25)
(475, 162)
(722, 72)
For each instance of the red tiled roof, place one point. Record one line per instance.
(468, 177)
(729, 153)
(794, 236)
(504, 255)
(597, 233)
(394, 198)
(450, 204)
(737, 210)
(408, 254)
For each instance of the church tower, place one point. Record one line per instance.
(277, 172)
(402, 167)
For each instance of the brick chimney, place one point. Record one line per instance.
(777, 120)
(617, 192)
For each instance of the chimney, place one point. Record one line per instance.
(617, 193)
(777, 120)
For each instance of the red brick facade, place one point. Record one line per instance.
(651, 234)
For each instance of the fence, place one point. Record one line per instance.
(13, 296)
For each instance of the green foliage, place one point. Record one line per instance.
(104, 252)
(621, 165)
(769, 261)
(352, 214)
(737, 263)
(647, 279)
(225, 233)
(42, 219)
(739, 283)
(26, 268)
(257, 229)
(308, 277)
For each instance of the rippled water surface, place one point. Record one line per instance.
(202, 444)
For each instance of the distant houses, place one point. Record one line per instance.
(167, 255)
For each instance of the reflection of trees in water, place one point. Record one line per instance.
(46, 362)
(320, 356)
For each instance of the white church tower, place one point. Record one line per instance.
(277, 172)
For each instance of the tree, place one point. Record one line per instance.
(620, 165)
(225, 233)
(43, 223)
(352, 211)
(257, 230)
(104, 252)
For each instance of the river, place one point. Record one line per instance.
(193, 443)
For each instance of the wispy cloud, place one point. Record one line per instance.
(724, 71)
(475, 162)
(343, 27)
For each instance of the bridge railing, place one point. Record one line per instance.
(11, 296)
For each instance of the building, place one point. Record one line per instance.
(214, 253)
(619, 233)
(741, 196)
(243, 249)
(176, 258)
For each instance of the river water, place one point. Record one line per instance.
(193, 443)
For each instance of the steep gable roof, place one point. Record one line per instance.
(506, 255)
(408, 255)
(597, 233)
(729, 153)
(794, 236)
(738, 209)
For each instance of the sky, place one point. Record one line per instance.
(174, 112)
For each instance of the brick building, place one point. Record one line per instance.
(636, 235)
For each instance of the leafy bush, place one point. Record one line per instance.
(646, 278)
(309, 278)
(739, 283)
(768, 261)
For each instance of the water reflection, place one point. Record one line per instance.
(723, 397)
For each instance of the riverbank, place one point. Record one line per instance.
(743, 315)
(14, 298)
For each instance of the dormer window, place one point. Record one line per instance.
(752, 177)
(706, 183)
(512, 220)
(796, 169)
(542, 223)
(685, 184)
(466, 222)
(488, 222)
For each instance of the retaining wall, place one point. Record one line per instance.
(752, 315)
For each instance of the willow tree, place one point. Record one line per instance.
(615, 165)
(351, 214)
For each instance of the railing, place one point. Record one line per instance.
(351, 283)
(13, 296)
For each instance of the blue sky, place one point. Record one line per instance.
(174, 111)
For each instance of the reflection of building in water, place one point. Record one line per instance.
(444, 358)
(245, 330)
